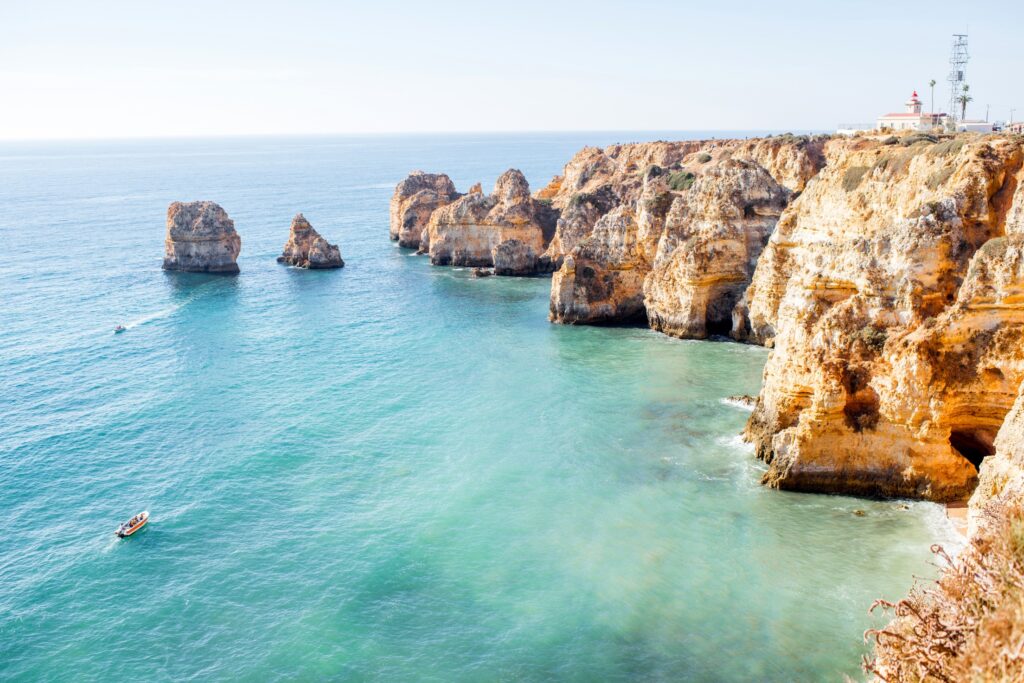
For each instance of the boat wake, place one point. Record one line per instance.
(163, 313)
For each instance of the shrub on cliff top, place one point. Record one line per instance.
(919, 137)
(897, 162)
(703, 158)
(853, 176)
(681, 180)
(968, 625)
(653, 171)
(947, 147)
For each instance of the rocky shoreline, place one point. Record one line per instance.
(886, 273)
(882, 271)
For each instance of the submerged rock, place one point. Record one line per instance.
(200, 239)
(742, 400)
(305, 247)
(414, 201)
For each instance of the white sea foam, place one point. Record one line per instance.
(941, 527)
(736, 443)
(735, 403)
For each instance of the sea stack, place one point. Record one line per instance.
(201, 238)
(415, 199)
(305, 247)
(507, 230)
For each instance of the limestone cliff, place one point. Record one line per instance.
(305, 247)
(1001, 478)
(201, 239)
(601, 281)
(414, 201)
(707, 252)
(597, 180)
(896, 340)
(472, 229)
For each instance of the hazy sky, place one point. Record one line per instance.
(113, 68)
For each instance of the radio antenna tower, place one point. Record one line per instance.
(957, 72)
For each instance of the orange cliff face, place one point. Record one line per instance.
(507, 229)
(414, 201)
(631, 209)
(890, 291)
(885, 273)
(709, 247)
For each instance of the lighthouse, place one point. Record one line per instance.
(912, 118)
(914, 104)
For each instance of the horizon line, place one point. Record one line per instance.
(552, 131)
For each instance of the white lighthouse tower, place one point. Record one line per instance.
(912, 118)
(914, 104)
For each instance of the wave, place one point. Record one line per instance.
(733, 402)
(736, 442)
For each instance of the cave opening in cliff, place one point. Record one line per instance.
(718, 327)
(974, 445)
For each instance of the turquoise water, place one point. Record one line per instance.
(388, 472)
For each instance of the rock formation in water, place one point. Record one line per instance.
(866, 288)
(200, 239)
(305, 247)
(414, 200)
(601, 281)
(508, 224)
(896, 332)
(615, 227)
(707, 252)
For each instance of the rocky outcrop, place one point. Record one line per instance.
(508, 223)
(602, 280)
(1001, 477)
(707, 252)
(513, 257)
(680, 255)
(791, 160)
(597, 180)
(305, 247)
(414, 201)
(897, 340)
(200, 239)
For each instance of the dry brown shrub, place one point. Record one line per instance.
(969, 624)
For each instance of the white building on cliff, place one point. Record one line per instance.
(911, 119)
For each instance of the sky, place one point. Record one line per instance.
(144, 68)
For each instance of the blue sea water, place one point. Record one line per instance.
(388, 472)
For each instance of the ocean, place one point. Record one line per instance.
(388, 472)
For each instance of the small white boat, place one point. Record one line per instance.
(132, 525)
(119, 329)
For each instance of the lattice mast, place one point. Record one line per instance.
(958, 57)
